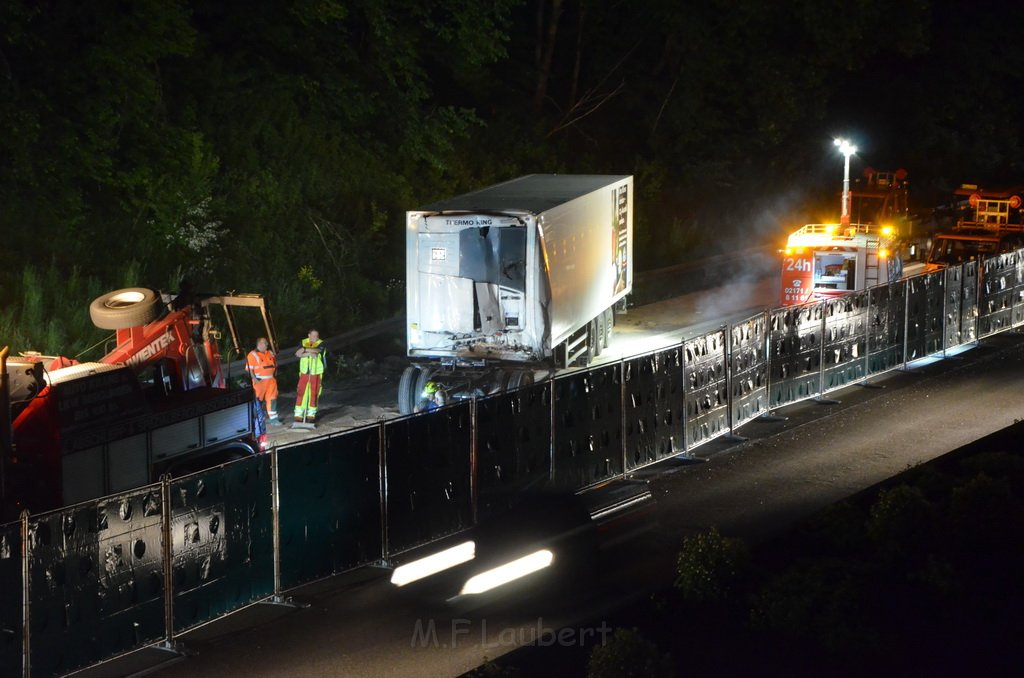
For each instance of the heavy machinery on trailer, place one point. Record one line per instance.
(989, 223)
(826, 260)
(157, 403)
(514, 279)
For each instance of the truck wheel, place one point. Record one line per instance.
(406, 387)
(498, 382)
(121, 309)
(425, 375)
(598, 323)
(587, 356)
(520, 379)
(609, 322)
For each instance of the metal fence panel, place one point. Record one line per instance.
(748, 360)
(513, 444)
(794, 354)
(654, 406)
(222, 541)
(954, 292)
(925, 320)
(96, 573)
(428, 476)
(995, 302)
(885, 327)
(1018, 290)
(845, 340)
(969, 306)
(330, 509)
(588, 427)
(11, 612)
(705, 388)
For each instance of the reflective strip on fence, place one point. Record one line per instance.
(135, 569)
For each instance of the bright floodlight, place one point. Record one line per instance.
(491, 579)
(845, 147)
(432, 564)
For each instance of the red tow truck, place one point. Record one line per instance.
(822, 261)
(157, 403)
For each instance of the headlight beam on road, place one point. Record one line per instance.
(499, 576)
(434, 563)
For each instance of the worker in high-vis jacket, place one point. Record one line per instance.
(312, 360)
(261, 364)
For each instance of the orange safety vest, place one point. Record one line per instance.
(260, 364)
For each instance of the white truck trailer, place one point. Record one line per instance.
(514, 279)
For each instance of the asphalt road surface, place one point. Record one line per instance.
(358, 625)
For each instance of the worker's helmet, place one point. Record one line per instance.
(431, 388)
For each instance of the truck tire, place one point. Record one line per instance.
(609, 322)
(425, 375)
(406, 387)
(128, 307)
(587, 356)
(520, 379)
(598, 334)
(498, 382)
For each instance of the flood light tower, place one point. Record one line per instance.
(847, 149)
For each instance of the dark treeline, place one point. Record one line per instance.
(275, 146)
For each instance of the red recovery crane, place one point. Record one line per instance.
(157, 402)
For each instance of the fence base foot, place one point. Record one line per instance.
(284, 601)
(174, 647)
(304, 425)
(733, 438)
(868, 384)
(826, 401)
(771, 417)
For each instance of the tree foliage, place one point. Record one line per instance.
(276, 146)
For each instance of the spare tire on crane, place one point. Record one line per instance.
(124, 308)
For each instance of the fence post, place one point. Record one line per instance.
(622, 410)
(945, 300)
(686, 389)
(867, 334)
(728, 378)
(821, 350)
(275, 508)
(168, 555)
(906, 322)
(474, 440)
(26, 600)
(382, 460)
(551, 446)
